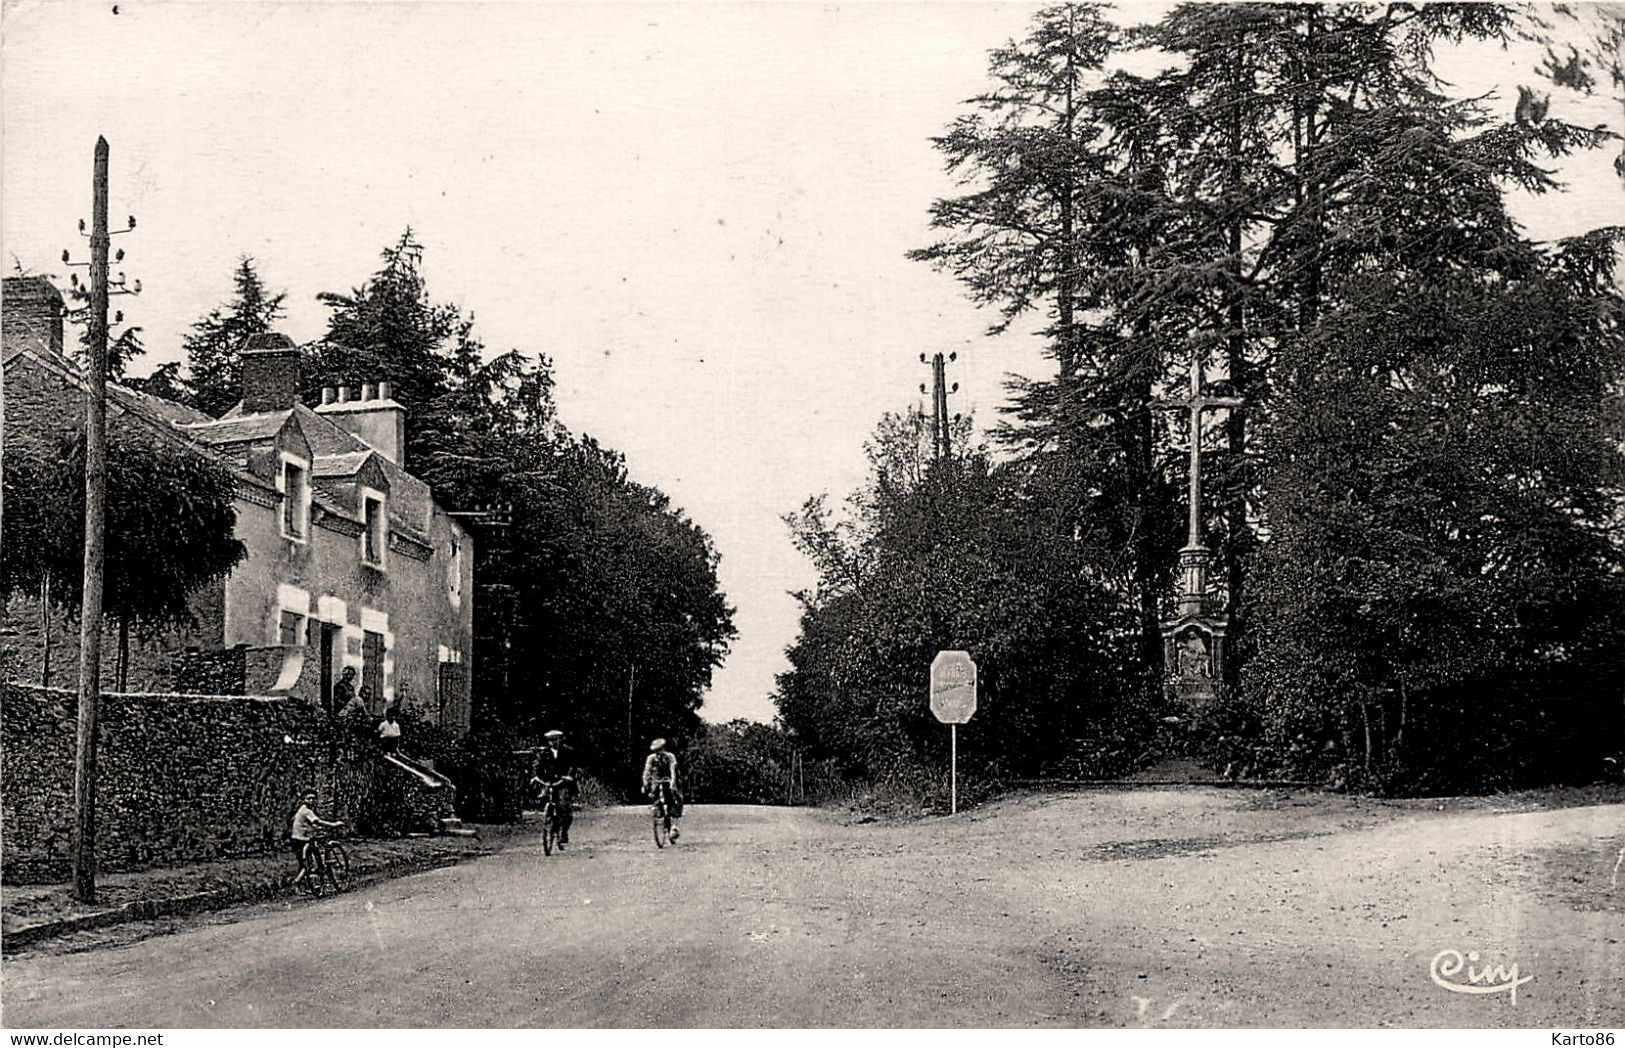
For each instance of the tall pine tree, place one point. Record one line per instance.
(213, 346)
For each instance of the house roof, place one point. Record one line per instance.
(158, 414)
(345, 465)
(238, 430)
(175, 414)
(337, 451)
(410, 498)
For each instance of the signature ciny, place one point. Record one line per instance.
(1459, 974)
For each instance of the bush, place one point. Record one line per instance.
(424, 739)
(590, 793)
(492, 778)
(739, 763)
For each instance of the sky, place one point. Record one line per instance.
(698, 212)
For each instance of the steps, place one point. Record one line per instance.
(452, 826)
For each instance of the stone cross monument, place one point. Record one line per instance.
(1193, 640)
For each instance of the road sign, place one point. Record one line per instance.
(953, 687)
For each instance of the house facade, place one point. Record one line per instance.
(351, 561)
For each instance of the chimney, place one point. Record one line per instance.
(270, 373)
(375, 418)
(32, 309)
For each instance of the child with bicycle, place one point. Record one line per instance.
(306, 823)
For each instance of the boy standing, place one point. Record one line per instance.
(389, 732)
(305, 824)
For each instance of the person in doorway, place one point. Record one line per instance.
(344, 690)
(660, 778)
(556, 770)
(389, 732)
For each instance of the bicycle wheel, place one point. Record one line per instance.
(662, 826)
(337, 860)
(550, 829)
(315, 882)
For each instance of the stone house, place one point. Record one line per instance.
(351, 561)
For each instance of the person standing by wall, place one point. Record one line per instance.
(353, 714)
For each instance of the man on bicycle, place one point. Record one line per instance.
(660, 779)
(555, 769)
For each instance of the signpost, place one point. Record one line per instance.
(953, 700)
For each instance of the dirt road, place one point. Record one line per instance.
(1141, 908)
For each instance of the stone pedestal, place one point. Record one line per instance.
(1193, 640)
(1193, 654)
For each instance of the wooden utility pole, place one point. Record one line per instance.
(939, 403)
(90, 623)
(631, 682)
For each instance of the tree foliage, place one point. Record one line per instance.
(170, 525)
(212, 348)
(1297, 201)
(951, 554)
(1442, 596)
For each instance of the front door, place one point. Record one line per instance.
(325, 654)
(372, 670)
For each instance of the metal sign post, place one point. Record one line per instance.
(953, 700)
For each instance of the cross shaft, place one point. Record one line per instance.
(1196, 404)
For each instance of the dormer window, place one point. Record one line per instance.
(374, 528)
(295, 485)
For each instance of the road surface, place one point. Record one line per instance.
(1139, 908)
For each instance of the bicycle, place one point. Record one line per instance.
(553, 817)
(662, 815)
(327, 866)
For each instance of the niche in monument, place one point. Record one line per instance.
(1193, 654)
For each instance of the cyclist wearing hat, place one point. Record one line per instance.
(660, 773)
(555, 769)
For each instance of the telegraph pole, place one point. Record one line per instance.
(939, 402)
(90, 622)
(631, 683)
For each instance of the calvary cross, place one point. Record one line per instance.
(1196, 566)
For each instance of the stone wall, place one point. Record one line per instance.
(46, 649)
(185, 778)
(218, 672)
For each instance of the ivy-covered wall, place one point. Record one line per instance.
(183, 778)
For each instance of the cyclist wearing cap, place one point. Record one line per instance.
(660, 774)
(555, 769)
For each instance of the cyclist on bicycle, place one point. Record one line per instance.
(555, 769)
(660, 778)
(305, 824)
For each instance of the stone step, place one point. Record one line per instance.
(452, 826)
